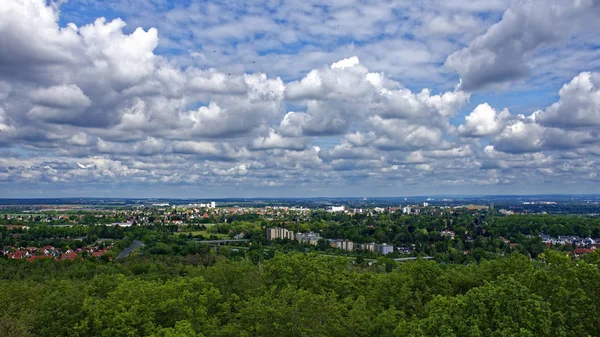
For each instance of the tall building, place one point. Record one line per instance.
(382, 248)
(385, 249)
(406, 210)
(342, 244)
(279, 233)
(346, 245)
(368, 246)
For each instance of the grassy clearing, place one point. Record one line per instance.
(207, 234)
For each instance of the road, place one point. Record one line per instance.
(135, 245)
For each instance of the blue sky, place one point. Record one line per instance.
(298, 98)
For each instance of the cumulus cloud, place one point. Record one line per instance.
(346, 94)
(236, 115)
(276, 141)
(100, 104)
(400, 134)
(59, 104)
(568, 124)
(578, 106)
(523, 135)
(502, 53)
(61, 96)
(483, 121)
(213, 81)
(347, 151)
(4, 127)
(209, 150)
(491, 159)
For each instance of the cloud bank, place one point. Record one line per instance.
(101, 109)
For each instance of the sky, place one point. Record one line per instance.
(286, 98)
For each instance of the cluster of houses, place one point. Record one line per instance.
(313, 238)
(50, 252)
(569, 240)
(447, 232)
(582, 245)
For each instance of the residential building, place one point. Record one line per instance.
(212, 204)
(279, 233)
(368, 246)
(447, 233)
(580, 251)
(588, 242)
(334, 209)
(342, 244)
(406, 209)
(122, 224)
(310, 237)
(384, 249)
(405, 249)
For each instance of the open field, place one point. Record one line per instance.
(205, 233)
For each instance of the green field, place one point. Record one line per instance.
(205, 233)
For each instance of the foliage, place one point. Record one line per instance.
(298, 294)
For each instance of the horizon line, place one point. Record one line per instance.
(315, 197)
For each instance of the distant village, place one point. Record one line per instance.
(180, 214)
(50, 252)
(206, 213)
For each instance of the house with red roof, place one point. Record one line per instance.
(580, 251)
(69, 255)
(19, 255)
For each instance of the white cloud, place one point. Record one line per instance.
(568, 124)
(400, 134)
(276, 141)
(61, 96)
(235, 115)
(347, 94)
(483, 121)
(81, 139)
(128, 59)
(249, 107)
(210, 150)
(501, 54)
(579, 104)
(4, 126)
(449, 25)
(346, 63)
(213, 81)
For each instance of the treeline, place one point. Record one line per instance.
(80, 217)
(39, 235)
(300, 295)
(553, 225)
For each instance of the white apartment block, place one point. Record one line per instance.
(279, 233)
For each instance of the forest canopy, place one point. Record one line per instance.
(301, 295)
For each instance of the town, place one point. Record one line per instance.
(450, 233)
